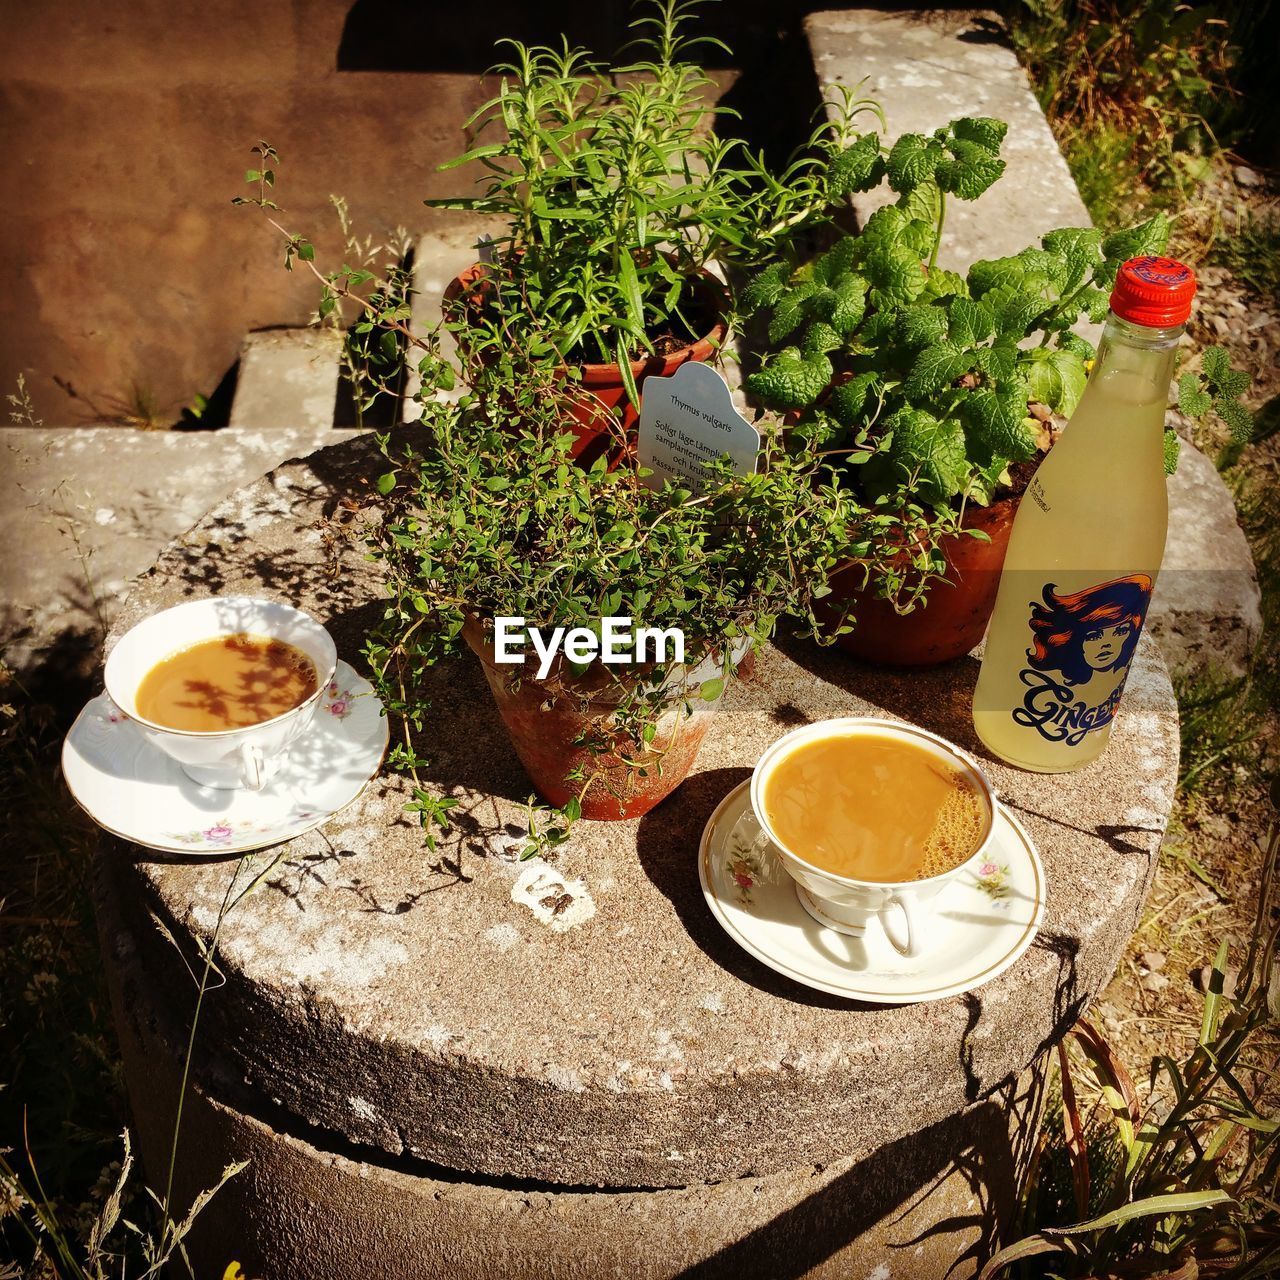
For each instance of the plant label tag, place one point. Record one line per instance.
(687, 420)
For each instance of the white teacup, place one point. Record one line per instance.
(849, 905)
(224, 758)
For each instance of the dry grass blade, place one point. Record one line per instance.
(1074, 1134)
(105, 1222)
(1118, 1089)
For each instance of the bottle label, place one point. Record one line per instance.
(1081, 645)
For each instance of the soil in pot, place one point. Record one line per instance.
(563, 730)
(601, 416)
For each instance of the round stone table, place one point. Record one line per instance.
(432, 1072)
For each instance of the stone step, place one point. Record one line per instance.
(123, 494)
(927, 67)
(288, 379)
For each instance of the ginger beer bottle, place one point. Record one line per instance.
(1087, 542)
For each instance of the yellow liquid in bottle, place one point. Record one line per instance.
(1083, 558)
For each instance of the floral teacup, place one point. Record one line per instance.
(227, 758)
(850, 905)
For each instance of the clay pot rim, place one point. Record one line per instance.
(610, 373)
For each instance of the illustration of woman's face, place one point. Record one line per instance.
(1102, 646)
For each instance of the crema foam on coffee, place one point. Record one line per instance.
(871, 806)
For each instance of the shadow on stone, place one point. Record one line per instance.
(902, 1173)
(667, 846)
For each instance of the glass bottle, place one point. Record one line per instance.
(1087, 542)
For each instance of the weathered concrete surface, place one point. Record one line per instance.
(927, 67)
(1205, 612)
(288, 378)
(125, 494)
(408, 1001)
(307, 1210)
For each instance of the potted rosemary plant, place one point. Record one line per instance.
(611, 199)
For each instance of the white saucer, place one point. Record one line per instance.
(981, 925)
(135, 791)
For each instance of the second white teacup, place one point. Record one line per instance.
(246, 756)
(848, 904)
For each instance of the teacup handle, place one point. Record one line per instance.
(253, 770)
(908, 942)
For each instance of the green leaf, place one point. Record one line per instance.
(921, 325)
(923, 449)
(896, 276)
(1015, 309)
(631, 292)
(832, 266)
(850, 305)
(935, 367)
(1146, 238)
(922, 204)
(970, 170)
(945, 284)
(1079, 249)
(1172, 450)
(969, 321)
(1056, 378)
(820, 338)
(1176, 1202)
(1068, 341)
(912, 160)
(789, 312)
(999, 361)
(790, 381)
(1215, 364)
(1238, 419)
(710, 690)
(849, 399)
(767, 287)
(386, 482)
(996, 426)
(1193, 400)
(857, 168)
(982, 130)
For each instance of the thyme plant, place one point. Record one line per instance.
(483, 520)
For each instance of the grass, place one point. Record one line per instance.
(1252, 252)
(63, 1104)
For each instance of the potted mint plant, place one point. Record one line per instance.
(612, 201)
(942, 383)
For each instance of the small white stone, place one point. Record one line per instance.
(503, 936)
(363, 1108)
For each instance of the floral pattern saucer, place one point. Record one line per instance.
(138, 793)
(981, 924)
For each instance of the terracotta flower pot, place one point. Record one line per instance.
(956, 612)
(563, 730)
(591, 401)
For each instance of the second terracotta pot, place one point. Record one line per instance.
(955, 613)
(564, 729)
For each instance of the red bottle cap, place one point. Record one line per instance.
(1155, 292)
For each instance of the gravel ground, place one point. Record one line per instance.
(1208, 881)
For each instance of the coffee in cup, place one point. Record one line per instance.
(224, 686)
(873, 819)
